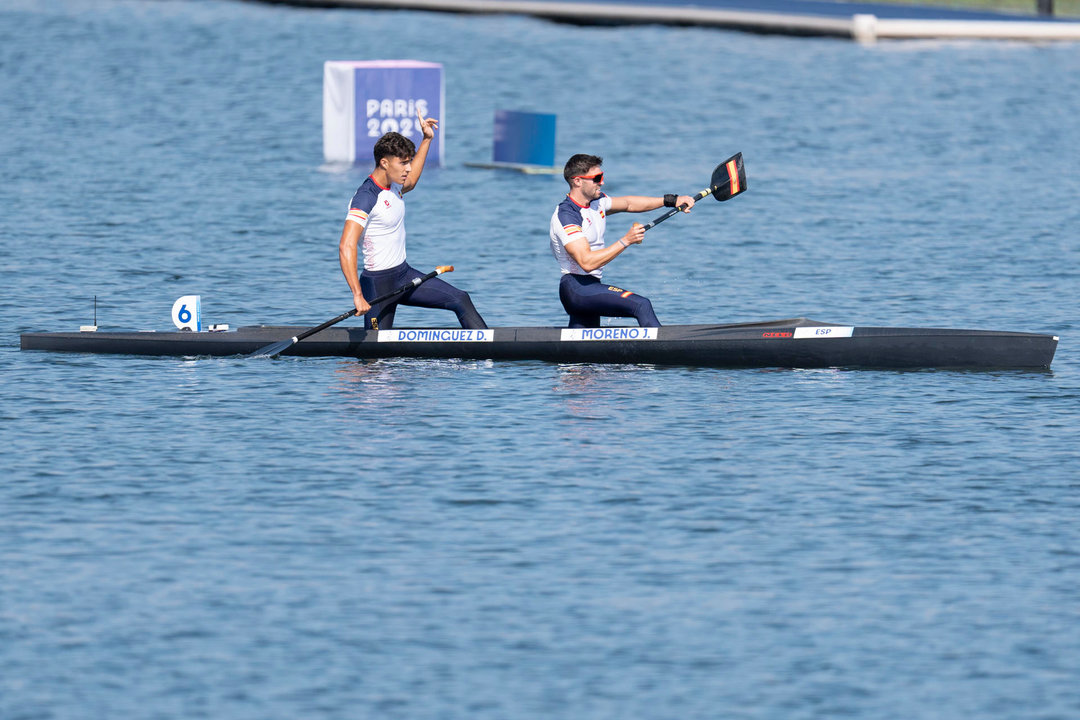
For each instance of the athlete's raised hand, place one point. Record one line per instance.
(426, 125)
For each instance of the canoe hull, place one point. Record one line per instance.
(795, 343)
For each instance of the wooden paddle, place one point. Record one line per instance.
(728, 180)
(283, 345)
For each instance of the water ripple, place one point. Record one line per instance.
(399, 538)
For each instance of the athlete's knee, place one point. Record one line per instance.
(460, 300)
(644, 313)
(639, 302)
(467, 313)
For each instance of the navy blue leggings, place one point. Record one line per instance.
(435, 293)
(587, 299)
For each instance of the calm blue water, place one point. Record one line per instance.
(322, 538)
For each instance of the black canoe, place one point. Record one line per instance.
(794, 343)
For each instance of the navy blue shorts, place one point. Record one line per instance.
(435, 293)
(587, 299)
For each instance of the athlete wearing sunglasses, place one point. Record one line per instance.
(577, 241)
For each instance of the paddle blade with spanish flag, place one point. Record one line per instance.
(729, 178)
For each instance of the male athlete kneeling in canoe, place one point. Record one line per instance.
(376, 221)
(577, 241)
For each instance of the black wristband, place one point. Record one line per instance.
(669, 200)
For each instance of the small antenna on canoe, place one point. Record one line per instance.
(91, 328)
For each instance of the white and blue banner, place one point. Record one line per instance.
(363, 100)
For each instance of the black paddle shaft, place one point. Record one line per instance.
(728, 180)
(278, 347)
(349, 313)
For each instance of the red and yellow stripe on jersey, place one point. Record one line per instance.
(357, 216)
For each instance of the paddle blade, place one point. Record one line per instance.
(274, 349)
(729, 178)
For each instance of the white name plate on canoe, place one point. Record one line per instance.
(461, 335)
(609, 333)
(823, 332)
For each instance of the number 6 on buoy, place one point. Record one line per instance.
(187, 313)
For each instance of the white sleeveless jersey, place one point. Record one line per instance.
(571, 222)
(381, 212)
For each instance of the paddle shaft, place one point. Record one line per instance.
(672, 211)
(279, 347)
(393, 293)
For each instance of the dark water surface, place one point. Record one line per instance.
(331, 539)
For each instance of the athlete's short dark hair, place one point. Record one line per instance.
(393, 144)
(579, 165)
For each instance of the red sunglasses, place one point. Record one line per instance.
(597, 178)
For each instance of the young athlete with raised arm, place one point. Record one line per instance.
(577, 241)
(376, 222)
